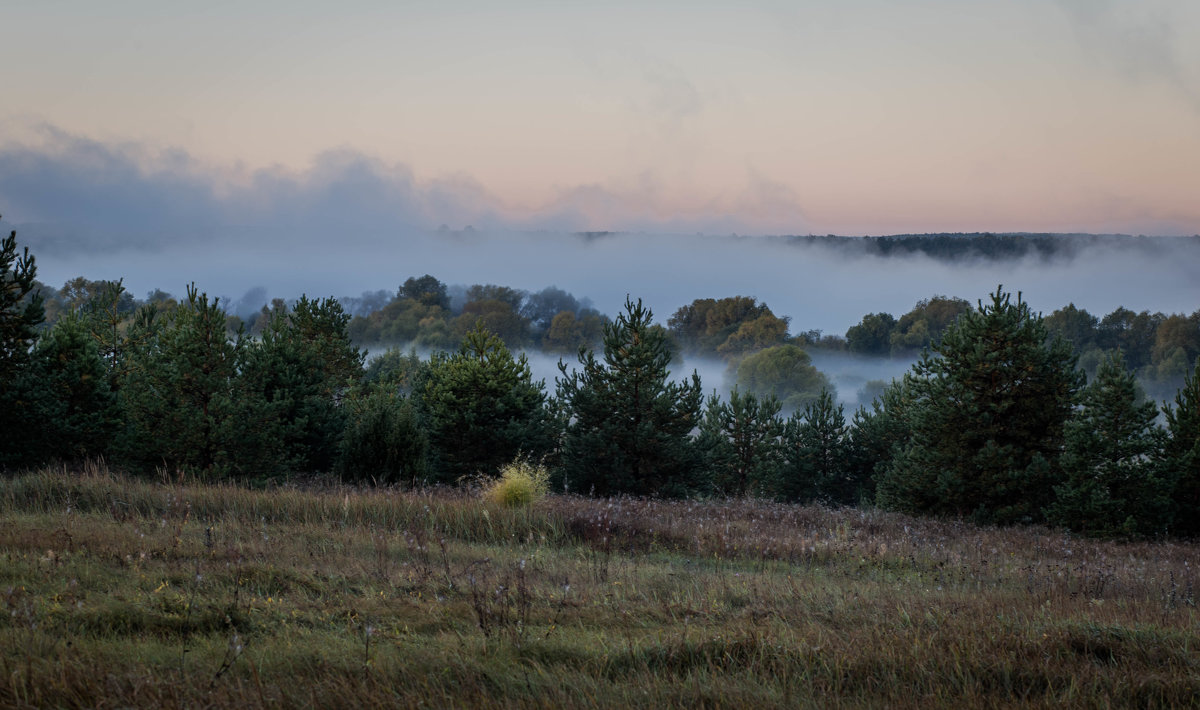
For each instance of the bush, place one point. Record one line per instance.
(520, 483)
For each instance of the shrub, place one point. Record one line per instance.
(520, 483)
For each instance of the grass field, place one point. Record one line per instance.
(121, 592)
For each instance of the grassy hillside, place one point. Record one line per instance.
(125, 592)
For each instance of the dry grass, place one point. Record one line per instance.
(129, 593)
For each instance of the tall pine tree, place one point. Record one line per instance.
(989, 403)
(629, 427)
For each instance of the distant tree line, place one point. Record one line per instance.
(425, 314)
(984, 245)
(996, 421)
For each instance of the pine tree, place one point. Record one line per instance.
(1181, 456)
(1112, 485)
(876, 437)
(21, 312)
(739, 440)
(291, 381)
(483, 408)
(989, 405)
(21, 309)
(815, 454)
(81, 415)
(178, 394)
(383, 440)
(105, 315)
(629, 427)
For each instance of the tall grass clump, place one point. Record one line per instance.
(521, 483)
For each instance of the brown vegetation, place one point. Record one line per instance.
(123, 592)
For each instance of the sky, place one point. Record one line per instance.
(847, 117)
(138, 128)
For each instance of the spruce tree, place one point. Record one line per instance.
(989, 405)
(1181, 456)
(1113, 484)
(628, 426)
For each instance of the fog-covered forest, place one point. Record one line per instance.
(988, 409)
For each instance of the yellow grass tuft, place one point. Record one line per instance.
(521, 483)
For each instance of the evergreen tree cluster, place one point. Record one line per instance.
(995, 422)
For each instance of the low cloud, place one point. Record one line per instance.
(71, 195)
(352, 223)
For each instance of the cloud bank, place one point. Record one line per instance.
(352, 223)
(73, 194)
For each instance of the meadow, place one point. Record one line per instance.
(176, 593)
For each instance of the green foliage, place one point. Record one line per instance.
(569, 332)
(290, 382)
(482, 408)
(1181, 455)
(1074, 325)
(322, 325)
(520, 483)
(872, 390)
(541, 307)
(754, 335)
(629, 427)
(876, 437)
(925, 323)
(872, 335)
(727, 326)
(425, 290)
(989, 404)
(784, 372)
(403, 371)
(107, 314)
(739, 439)
(1132, 333)
(815, 455)
(21, 309)
(22, 409)
(383, 441)
(181, 408)
(497, 316)
(511, 297)
(61, 405)
(1113, 485)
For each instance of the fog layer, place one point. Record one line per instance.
(351, 223)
